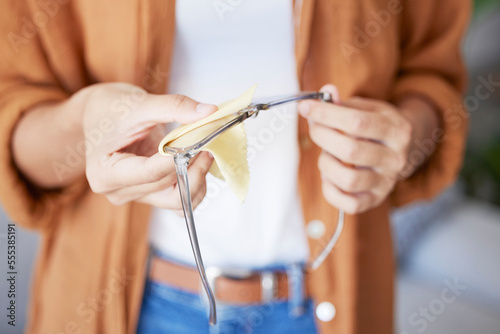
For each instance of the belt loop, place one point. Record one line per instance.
(295, 274)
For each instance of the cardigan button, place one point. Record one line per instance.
(325, 311)
(316, 229)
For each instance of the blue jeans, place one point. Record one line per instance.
(169, 310)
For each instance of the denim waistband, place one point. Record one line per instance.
(295, 274)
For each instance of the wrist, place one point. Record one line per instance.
(424, 120)
(57, 160)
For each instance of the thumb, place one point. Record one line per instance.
(175, 108)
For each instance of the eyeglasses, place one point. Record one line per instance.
(182, 156)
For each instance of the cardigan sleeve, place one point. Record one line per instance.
(431, 67)
(26, 80)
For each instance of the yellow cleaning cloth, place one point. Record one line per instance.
(229, 149)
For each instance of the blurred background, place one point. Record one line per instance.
(448, 250)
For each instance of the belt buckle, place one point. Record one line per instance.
(268, 280)
(268, 285)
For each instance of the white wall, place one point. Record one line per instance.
(26, 247)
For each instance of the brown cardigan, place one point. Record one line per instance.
(92, 250)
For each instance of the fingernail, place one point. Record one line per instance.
(204, 108)
(304, 108)
(333, 90)
(210, 155)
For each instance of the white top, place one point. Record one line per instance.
(219, 53)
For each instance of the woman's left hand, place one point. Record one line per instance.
(365, 146)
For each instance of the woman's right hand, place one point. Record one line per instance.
(121, 123)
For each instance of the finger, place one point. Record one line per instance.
(197, 173)
(348, 179)
(130, 193)
(199, 195)
(354, 151)
(170, 199)
(174, 108)
(127, 169)
(334, 92)
(165, 199)
(179, 213)
(363, 103)
(353, 121)
(386, 119)
(352, 204)
(197, 186)
(147, 146)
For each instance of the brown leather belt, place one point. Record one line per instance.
(235, 287)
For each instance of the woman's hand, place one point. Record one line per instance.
(365, 145)
(121, 125)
